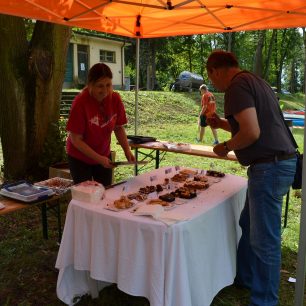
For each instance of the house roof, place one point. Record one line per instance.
(105, 36)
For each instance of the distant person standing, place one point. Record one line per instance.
(208, 108)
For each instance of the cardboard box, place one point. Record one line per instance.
(62, 169)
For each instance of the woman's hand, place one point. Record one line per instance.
(78, 142)
(129, 156)
(105, 162)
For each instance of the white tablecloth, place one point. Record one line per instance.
(185, 264)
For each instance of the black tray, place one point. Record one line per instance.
(140, 139)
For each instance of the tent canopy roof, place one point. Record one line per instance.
(157, 18)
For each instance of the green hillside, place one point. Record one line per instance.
(164, 111)
(296, 101)
(174, 117)
(161, 107)
(160, 112)
(156, 108)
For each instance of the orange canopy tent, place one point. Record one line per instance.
(159, 18)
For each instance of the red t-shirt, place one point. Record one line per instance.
(94, 122)
(209, 101)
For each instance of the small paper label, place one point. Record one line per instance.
(291, 280)
(167, 171)
(153, 178)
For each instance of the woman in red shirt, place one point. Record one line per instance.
(95, 113)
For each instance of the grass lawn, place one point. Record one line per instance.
(28, 276)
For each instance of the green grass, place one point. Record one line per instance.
(28, 276)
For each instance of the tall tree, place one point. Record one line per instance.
(269, 55)
(154, 45)
(284, 44)
(293, 69)
(258, 54)
(30, 85)
(293, 77)
(229, 41)
(188, 45)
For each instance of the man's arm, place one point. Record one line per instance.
(248, 133)
(218, 123)
(203, 109)
(249, 130)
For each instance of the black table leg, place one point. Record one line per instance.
(136, 166)
(157, 159)
(286, 209)
(44, 220)
(59, 221)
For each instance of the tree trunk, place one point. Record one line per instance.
(269, 56)
(154, 79)
(149, 77)
(188, 46)
(151, 66)
(31, 84)
(293, 78)
(229, 42)
(258, 54)
(286, 41)
(13, 83)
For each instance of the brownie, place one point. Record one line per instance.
(168, 197)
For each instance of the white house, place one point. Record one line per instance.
(87, 49)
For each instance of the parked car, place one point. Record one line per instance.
(282, 91)
(187, 81)
(285, 92)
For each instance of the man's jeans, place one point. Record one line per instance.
(259, 249)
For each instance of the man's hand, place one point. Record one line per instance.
(214, 121)
(220, 150)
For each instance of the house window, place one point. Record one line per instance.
(107, 56)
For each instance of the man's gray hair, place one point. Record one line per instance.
(203, 86)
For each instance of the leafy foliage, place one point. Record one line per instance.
(282, 56)
(54, 146)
